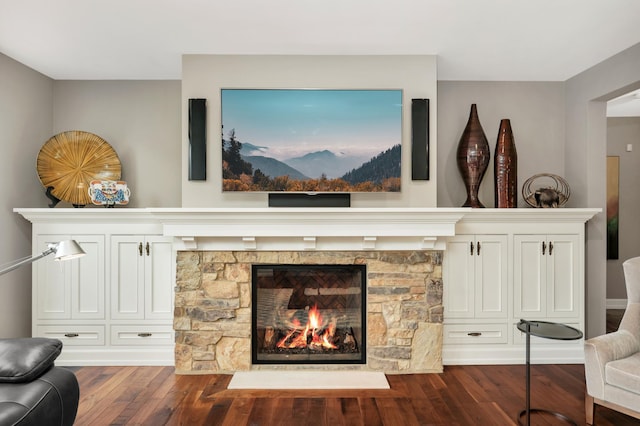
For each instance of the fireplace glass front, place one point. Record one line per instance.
(308, 314)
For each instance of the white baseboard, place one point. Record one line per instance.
(77, 357)
(547, 352)
(616, 303)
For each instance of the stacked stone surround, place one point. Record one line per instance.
(212, 318)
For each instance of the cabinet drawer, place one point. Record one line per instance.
(73, 335)
(469, 334)
(149, 335)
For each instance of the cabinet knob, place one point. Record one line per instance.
(145, 334)
(71, 334)
(474, 334)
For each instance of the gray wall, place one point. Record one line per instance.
(585, 165)
(536, 112)
(26, 98)
(620, 132)
(140, 120)
(204, 75)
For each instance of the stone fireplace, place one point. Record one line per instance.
(400, 248)
(403, 310)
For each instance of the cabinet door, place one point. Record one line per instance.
(491, 276)
(563, 276)
(87, 279)
(459, 277)
(73, 289)
(52, 282)
(529, 276)
(547, 276)
(127, 277)
(476, 277)
(158, 281)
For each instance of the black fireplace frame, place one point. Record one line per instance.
(362, 344)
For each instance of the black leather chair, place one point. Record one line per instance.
(33, 391)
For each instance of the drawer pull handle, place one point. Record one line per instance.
(471, 247)
(140, 249)
(474, 334)
(71, 334)
(550, 248)
(478, 249)
(544, 247)
(147, 248)
(144, 334)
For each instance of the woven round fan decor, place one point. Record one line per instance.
(69, 161)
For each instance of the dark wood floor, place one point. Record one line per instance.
(462, 395)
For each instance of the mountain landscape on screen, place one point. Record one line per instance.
(247, 167)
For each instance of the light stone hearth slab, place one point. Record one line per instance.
(286, 379)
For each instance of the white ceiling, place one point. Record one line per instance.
(504, 40)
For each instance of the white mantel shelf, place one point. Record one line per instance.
(302, 228)
(313, 229)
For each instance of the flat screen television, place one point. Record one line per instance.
(311, 140)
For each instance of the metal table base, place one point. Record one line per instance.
(525, 326)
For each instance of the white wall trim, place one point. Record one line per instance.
(616, 303)
(550, 352)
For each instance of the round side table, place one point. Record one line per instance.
(547, 330)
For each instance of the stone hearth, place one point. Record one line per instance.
(212, 319)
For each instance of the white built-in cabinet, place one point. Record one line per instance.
(141, 290)
(476, 270)
(113, 306)
(530, 266)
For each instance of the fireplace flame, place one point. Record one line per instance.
(314, 335)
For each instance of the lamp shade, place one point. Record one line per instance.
(64, 250)
(68, 249)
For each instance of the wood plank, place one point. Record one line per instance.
(239, 411)
(193, 409)
(369, 412)
(154, 407)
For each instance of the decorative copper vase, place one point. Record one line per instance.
(473, 157)
(505, 168)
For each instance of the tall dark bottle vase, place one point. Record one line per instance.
(473, 157)
(505, 167)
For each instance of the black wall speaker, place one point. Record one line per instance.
(420, 139)
(197, 139)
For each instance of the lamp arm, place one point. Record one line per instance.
(29, 260)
